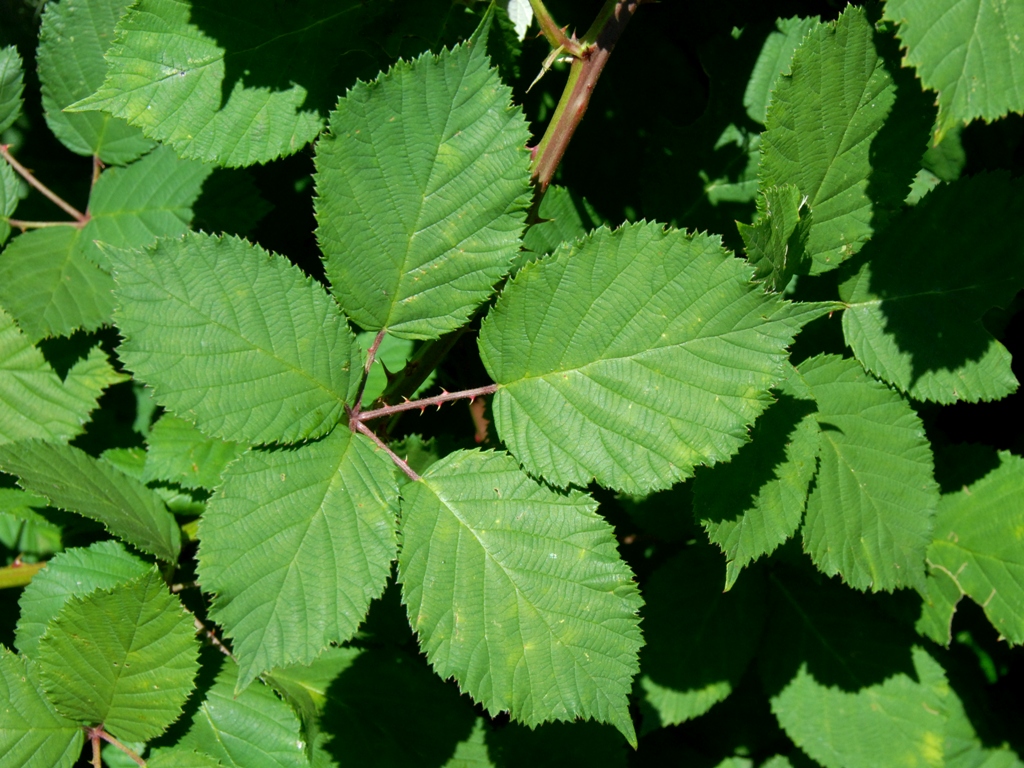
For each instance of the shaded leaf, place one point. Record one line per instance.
(180, 453)
(124, 658)
(72, 40)
(31, 731)
(595, 350)
(295, 545)
(10, 189)
(234, 338)
(12, 83)
(774, 59)
(422, 190)
(72, 480)
(916, 302)
(518, 592)
(564, 216)
(939, 597)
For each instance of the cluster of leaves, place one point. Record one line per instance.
(715, 501)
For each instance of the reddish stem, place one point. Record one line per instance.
(402, 463)
(422, 405)
(99, 733)
(214, 640)
(371, 355)
(81, 218)
(555, 34)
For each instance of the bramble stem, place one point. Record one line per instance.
(426, 402)
(97, 167)
(596, 47)
(402, 463)
(100, 733)
(554, 34)
(214, 640)
(94, 737)
(19, 574)
(81, 218)
(426, 359)
(23, 225)
(371, 355)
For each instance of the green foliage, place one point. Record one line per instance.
(742, 497)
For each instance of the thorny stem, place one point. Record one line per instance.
(422, 405)
(80, 218)
(371, 355)
(97, 733)
(94, 737)
(555, 34)
(214, 640)
(402, 463)
(426, 359)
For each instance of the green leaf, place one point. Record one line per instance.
(978, 543)
(564, 216)
(774, 59)
(10, 189)
(74, 573)
(776, 242)
(824, 135)
(755, 502)
(31, 731)
(940, 595)
(36, 402)
(422, 190)
(23, 530)
(967, 50)
(869, 515)
(234, 338)
(699, 639)
(72, 40)
(72, 480)
(180, 453)
(236, 82)
(595, 350)
(50, 287)
(124, 658)
(180, 757)
(295, 545)
(251, 728)
(12, 83)
(917, 301)
(518, 592)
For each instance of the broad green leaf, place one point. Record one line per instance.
(776, 242)
(595, 350)
(518, 592)
(32, 733)
(12, 84)
(774, 59)
(824, 135)
(36, 403)
(234, 82)
(979, 543)
(49, 286)
(896, 722)
(180, 453)
(74, 573)
(869, 515)
(699, 639)
(72, 480)
(25, 532)
(967, 50)
(753, 503)
(251, 728)
(295, 545)
(234, 338)
(10, 189)
(123, 657)
(72, 40)
(917, 301)
(422, 190)
(564, 216)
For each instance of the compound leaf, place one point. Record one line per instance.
(978, 544)
(124, 658)
(632, 356)
(699, 639)
(234, 338)
(824, 135)
(967, 50)
(233, 82)
(12, 83)
(180, 453)
(869, 515)
(916, 302)
(518, 592)
(72, 480)
(74, 573)
(31, 731)
(36, 403)
(774, 59)
(422, 190)
(295, 545)
(72, 40)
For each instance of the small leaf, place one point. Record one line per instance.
(917, 299)
(595, 350)
(869, 515)
(180, 453)
(72, 480)
(10, 196)
(12, 83)
(72, 40)
(234, 338)
(776, 242)
(977, 544)
(36, 403)
(939, 598)
(422, 190)
(295, 545)
(123, 658)
(518, 592)
(74, 573)
(31, 731)
(774, 59)
(968, 51)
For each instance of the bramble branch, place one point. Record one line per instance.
(97, 733)
(422, 405)
(81, 219)
(402, 463)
